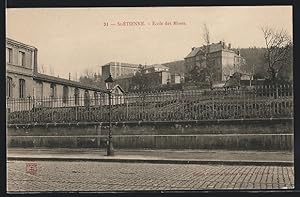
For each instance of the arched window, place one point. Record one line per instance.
(9, 87)
(76, 95)
(96, 97)
(65, 94)
(86, 98)
(22, 88)
(21, 58)
(53, 90)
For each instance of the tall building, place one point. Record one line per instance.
(222, 60)
(118, 69)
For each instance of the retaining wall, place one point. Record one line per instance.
(271, 134)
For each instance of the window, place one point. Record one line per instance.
(53, 90)
(65, 94)
(86, 98)
(22, 88)
(9, 87)
(76, 94)
(8, 55)
(21, 58)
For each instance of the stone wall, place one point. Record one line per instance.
(270, 135)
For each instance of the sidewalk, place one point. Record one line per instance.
(220, 157)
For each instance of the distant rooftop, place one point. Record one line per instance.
(158, 66)
(49, 78)
(122, 64)
(213, 47)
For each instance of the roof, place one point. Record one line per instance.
(57, 80)
(12, 41)
(122, 64)
(158, 66)
(194, 52)
(214, 47)
(119, 87)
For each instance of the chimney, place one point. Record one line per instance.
(193, 48)
(69, 76)
(223, 45)
(229, 45)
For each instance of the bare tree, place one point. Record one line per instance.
(209, 67)
(278, 45)
(206, 35)
(51, 69)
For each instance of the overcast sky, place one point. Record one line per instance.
(72, 40)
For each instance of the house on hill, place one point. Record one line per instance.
(221, 60)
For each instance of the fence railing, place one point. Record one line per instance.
(253, 102)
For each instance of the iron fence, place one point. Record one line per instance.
(251, 102)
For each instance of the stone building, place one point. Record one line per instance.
(177, 70)
(151, 76)
(223, 60)
(24, 82)
(118, 69)
(125, 81)
(155, 68)
(21, 61)
(158, 78)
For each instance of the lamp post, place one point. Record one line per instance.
(109, 82)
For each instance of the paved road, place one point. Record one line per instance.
(97, 176)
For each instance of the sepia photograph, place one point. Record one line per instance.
(114, 99)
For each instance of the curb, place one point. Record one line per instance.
(158, 161)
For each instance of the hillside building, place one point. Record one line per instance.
(221, 59)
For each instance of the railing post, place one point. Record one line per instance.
(126, 109)
(76, 112)
(33, 109)
(213, 104)
(29, 109)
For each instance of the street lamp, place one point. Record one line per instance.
(109, 83)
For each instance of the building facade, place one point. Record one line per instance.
(222, 60)
(23, 82)
(118, 69)
(155, 68)
(148, 77)
(176, 68)
(21, 61)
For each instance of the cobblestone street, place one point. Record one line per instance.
(98, 176)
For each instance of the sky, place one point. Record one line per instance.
(73, 40)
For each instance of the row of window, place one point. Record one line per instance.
(53, 91)
(76, 95)
(9, 88)
(9, 57)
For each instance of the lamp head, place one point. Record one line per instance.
(109, 82)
